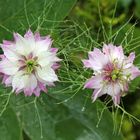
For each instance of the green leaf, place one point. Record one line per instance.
(9, 126)
(42, 15)
(65, 121)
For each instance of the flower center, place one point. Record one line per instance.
(116, 74)
(112, 73)
(30, 65)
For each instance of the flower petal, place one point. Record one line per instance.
(8, 43)
(46, 74)
(42, 45)
(113, 52)
(131, 57)
(97, 93)
(116, 99)
(29, 35)
(54, 50)
(94, 82)
(37, 36)
(128, 62)
(97, 60)
(26, 82)
(42, 86)
(46, 58)
(18, 81)
(24, 46)
(10, 53)
(30, 85)
(7, 67)
(112, 89)
(37, 92)
(7, 80)
(55, 66)
(20, 44)
(135, 72)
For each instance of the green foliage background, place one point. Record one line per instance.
(66, 112)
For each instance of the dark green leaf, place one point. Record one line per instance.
(9, 126)
(19, 15)
(64, 121)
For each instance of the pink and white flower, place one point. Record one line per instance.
(112, 72)
(29, 63)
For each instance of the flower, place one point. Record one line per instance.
(29, 63)
(112, 72)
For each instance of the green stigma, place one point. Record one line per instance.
(30, 65)
(116, 74)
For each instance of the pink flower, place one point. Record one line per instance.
(112, 72)
(29, 63)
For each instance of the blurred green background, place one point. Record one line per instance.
(66, 121)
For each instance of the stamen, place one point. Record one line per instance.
(112, 73)
(30, 65)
